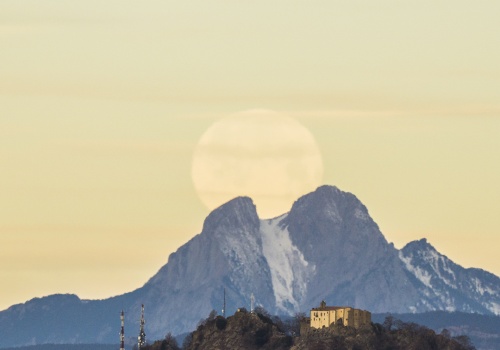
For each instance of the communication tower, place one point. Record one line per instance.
(122, 332)
(141, 339)
(224, 304)
(252, 302)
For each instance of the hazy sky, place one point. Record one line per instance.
(102, 105)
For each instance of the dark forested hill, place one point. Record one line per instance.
(67, 347)
(483, 330)
(252, 331)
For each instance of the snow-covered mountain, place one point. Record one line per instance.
(445, 285)
(326, 248)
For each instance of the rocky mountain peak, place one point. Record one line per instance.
(239, 212)
(331, 215)
(422, 253)
(450, 286)
(418, 246)
(329, 202)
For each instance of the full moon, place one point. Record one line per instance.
(266, 156)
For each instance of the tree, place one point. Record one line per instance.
(169, 343)
(187, 341)
(212, 315)
(292, 326)
(464, 341)
(261, 310)
(388, 322)
(446, 333)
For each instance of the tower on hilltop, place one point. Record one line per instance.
(224, 304)
(122, 331)
(141, 339)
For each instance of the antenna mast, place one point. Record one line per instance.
(252, 302)
(122, 332)
(224, 305)
(141, 339)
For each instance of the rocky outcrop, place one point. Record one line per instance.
(242, 331)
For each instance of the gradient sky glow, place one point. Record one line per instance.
(102, 105)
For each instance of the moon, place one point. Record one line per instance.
(264, 155)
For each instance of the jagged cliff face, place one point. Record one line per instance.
(227, 254)
(326, 248)
(445, 285)
(354, 264)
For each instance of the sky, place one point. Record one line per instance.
(104, 106)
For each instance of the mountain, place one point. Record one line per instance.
(228, 253)
(351, 261)
(326, 248)
(448, 286)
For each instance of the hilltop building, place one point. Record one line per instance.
(324, 316)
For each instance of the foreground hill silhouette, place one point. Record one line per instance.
(251, 331)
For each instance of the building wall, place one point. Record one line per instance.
(320, 318)
(347, 316)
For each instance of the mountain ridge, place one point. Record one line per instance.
(450, 281)
(327, 247)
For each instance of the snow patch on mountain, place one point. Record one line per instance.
(290, 272)
(447, 269)
(439, 264)
(419, 273)
(495, 308)
(240, 255)
(483, 289)
(360, 214)
(447, 285)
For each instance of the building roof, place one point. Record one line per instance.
(328, 308)
(324, 307)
